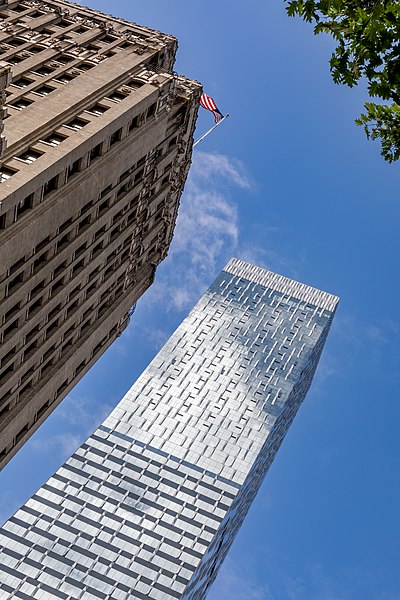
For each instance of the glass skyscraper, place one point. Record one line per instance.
(149, 505)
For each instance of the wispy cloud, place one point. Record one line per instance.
(238, 582)
(9, 503)
(376, 343)
(82, 415)
(65, 443)
(244, 579)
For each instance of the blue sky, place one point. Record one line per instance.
(290, 183)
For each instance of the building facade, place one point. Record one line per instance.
(149, 505)
(96, 138)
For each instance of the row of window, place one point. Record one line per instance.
(113, 261)
(11, 14)
(76, 124)
(91, 212)
(6, 402)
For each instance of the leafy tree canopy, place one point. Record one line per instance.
(368, 45)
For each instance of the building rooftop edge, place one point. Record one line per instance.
(282, 284)
(70, 4)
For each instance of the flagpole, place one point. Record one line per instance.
(209, 131)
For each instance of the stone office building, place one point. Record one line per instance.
(95, 149)
(148, 506)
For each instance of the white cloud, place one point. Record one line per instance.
(238, 582)
(83, 412)
(206, 234)
(82, 415)
(65, 443)
(8, 504)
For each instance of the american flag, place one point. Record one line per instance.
(209, 104)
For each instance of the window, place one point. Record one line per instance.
(16, 42)
(54, 139)
(8, 330)
(21, 103)
(25, 429)
(106, 191)
(63, 242)
(97, 109)
(51, 185)
(37, 289)
(81, 29)
(35, 49)
(35, 307)
(29, 156)
(2, 221)
(64, 77)
(84, 224)
(64, 23)
(20, 8)
(134, 123)
(14, 60)
(74, 168)
(44, 90)
(103, 207)
(23, 206)
(43, 70)
(116, 97)
(85, 66)
(39, 262)
(65, 59)
(14, 283)
(65, 225)
(87, 207)
(151, 110)
(76, 124)
(22, 82)
(109, 39)
(95, 152)
(116, 136)
(58, 286)
(77, 268)
(12, 312)
(6, 173)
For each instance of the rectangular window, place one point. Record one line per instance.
(54, 139)
(29, 156)
(51, 185)
(116, 136)
(116, 97)
(39, 262)
(16, 42)
(74, 168)
(21, 103)
(97, 109)
(14, 283)
(151, 110)
(22, 82)
(44, 90)
(35, 307)
(84, 224)
(38, 288)
(76, 124)
(44, 70)
(95, 152)
(134, 123)
(2, 221)
(64, 77)
(6, 173)
(65, 59)
(64, 23)
(11, 328)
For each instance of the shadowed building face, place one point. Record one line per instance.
(149, 506)
(96, 148)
